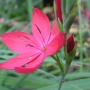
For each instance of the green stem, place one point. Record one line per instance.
(59, 63)
(29, 8)
(63, 76)
(80, 34)
(19, 81)
(62, 71)
(60, 83)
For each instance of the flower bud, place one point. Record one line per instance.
(70, 50)
(58, 10)
(70, 44)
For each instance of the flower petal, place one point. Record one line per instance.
(40, 26)
(20, 42)
(56, 44)
(32, 66)
(55, 30)
(61, 38)
(18, 61)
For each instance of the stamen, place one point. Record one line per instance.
(44, 49)
(29, 45)
(38, 28)
(41, 34)
(24, 37)
(30, 40)
(24, 65)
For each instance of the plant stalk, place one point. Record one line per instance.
(59, 63)
(60, 83)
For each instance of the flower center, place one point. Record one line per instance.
(44, 49)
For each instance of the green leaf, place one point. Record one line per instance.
(60, 25)
(3, 88)
(75, 75)
(29, 82)
(69, 5)
(64, 8)
(82, 84)
(70, 19)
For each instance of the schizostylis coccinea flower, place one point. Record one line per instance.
(33, 48)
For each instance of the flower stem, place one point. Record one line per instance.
(62, 71)
(60, 83)
(59, 63)
(62, 77)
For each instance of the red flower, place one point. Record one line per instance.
(34, 48)
(70, 44)
(58, 10)
(88, 14)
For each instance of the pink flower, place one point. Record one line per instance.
(88, 14)
(34, 48)
(70, 44)
(58, 9)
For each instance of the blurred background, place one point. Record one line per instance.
(16, 15)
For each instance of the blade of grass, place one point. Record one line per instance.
(4, 77)
(80, 34)
(29, 8)
(19, 81)
(82, 84)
